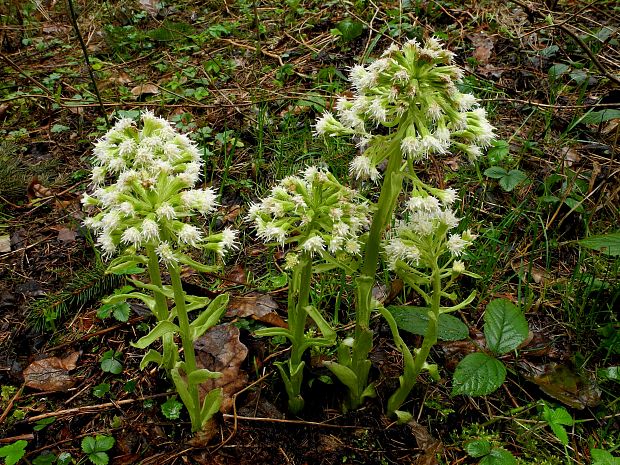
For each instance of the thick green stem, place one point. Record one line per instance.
(187, 341)
(161, 307)
(414, 366)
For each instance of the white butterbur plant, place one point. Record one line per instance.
(406, 110)
(318, 220)
(144, 198)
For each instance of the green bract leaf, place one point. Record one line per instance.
(415, 320)
(13, 453)
(478, 447)
(603, 457)
(505, 327)
(171, 409)
(608, 244)
(512, 179)
(499, 457)
(478, 375)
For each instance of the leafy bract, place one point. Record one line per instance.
(505, 327)
(415, 320)
(478, 375)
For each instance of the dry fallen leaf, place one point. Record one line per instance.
(428, 444)
(51, 374)
(144, 89)
(232, 213)
(570, 156)
(484, 45)
(220, 349)
(5, 243)
(235, 275)
(150, 6)
(257, 306)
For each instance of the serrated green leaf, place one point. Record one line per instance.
(415, 320)
(121, 311)
(608, 244)
(99, 458)
(512, 179)
(478, 447)
(171, 409)
(497, 152)
(495, 172)
(64, 458)
(505, 327)
(556, 418)
(478, 375)
(609, 373)
(13, 453)
(499, 456)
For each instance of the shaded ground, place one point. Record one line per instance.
(249, 82)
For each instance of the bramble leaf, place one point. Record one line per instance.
(505, 327)
(478, 375)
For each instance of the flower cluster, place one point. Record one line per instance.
(414, 88)
(424, 235)
(154, 170)
(314, 211)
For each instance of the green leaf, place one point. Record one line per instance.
(64, 458)
(151, 356)
(608, 244)
(403, 417)
(603, 457)
(110, 364)
(162, 328)
(344, 374)
(556, 418)
(120, 310)
(495, 172)
(598, 117)
(499, 456)
(59, 128)
(210, 405)
(350, 29)
(574, 204)
(202, 375)
(44, 459)
(558, 69)
(478, 447)
(609, 373)
(497, 152)
(415, 320)
(171, 409)
(101, 390)
(88, 445)
(505, 327)
(99, 458)
(43, 423)
(478, 375)
(13, 453)
(512, 179)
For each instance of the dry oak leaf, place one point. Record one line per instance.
(484, 45)
(51, 374)
(257, 306)
(220, 349)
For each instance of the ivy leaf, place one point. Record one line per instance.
(478, 375)
(172, 408)
(13, 453)
(349, 29)
(415, 320)
(512, 179)
(505, 327)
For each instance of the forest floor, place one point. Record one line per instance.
(248, 80)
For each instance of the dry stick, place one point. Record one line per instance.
(92, 408)
(23, 437)
(294, 422)
(16, 67)
(10, 404)
(85, 52)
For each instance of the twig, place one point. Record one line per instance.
(85, 52)
(10, 404)
(22, 437)
(294, 422)
(93, 408)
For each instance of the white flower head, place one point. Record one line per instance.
(363, 168)
(189, 234)
(228, 242)
(313, 245)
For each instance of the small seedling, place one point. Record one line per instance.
(491, 455)
(13, 453)
(110, 362)
(557, 419)
(96, 447)
(43, 423)
(508, 180)
(171, 409)
(101, 390)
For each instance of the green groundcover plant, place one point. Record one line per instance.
(143, 202)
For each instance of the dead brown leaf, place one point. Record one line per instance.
(563, 383)
(232, 213)
(220, 349)
(65, 234)
(570, 156)
(235, 275)
(51, 374)
(150, 6)
(5, 243)
(483, 47)
(257, 306)
(426, 442)
(144, 89)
